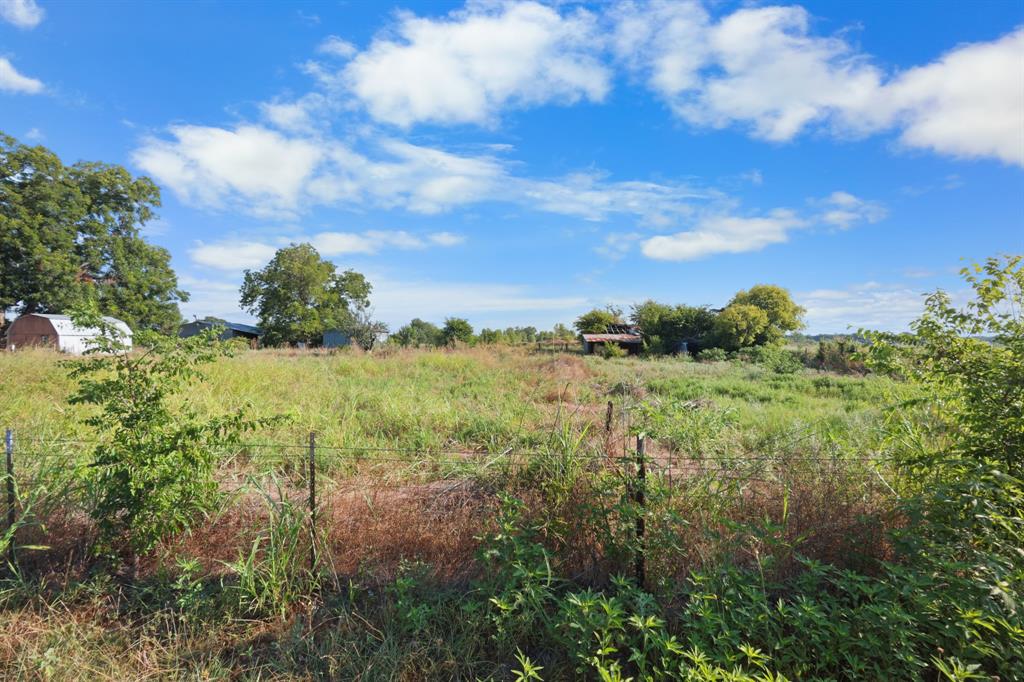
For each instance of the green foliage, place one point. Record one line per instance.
(299, 295)
(612, 350)
(773, 358)
(740, 325)
(783, 315)
(713, 355)
(597, 320)
(72, 233)
(273, 575)
(977, 385)
(418, 333)
(666, 327)
(152, 472)
(456, 330)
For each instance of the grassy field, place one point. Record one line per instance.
(417, 450)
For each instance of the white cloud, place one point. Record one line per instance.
(466, 67)
(336, 47)
(232, 255)
(970, 103)
(12, 81)
(207, 166)
(280, 174)
(843, 210)
(447, 239)
(762, 68)
(869, 305)
(35, 134)
(238, 254)
(21, 13)
(723, 234)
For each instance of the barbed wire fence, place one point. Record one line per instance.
(317, 470)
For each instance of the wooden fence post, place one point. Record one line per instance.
(9, 448)
(312, 501)
(640, 560)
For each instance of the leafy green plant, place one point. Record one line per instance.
(713, 355)
(151, 474)
(274, 575)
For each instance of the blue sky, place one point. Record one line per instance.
(518, 163)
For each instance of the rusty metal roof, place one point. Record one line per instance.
(621, 338)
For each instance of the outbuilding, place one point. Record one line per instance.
(623, 336)
(58, 332)
(232, 330)
(336, 338)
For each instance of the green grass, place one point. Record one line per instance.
(224, 603)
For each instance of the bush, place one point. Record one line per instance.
(151, 474)
(773, 358)
(713, 355)
(613, 350)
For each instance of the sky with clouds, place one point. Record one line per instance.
(519, 162)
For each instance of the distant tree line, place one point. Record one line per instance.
(456, 330)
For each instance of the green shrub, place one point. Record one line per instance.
(151, 474)
(713, 355)
(613, 350)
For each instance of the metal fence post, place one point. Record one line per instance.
(312, 500)
(640, 560)
(9, 448)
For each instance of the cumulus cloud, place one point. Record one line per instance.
(22, 13)
(208, 166)
(13, 81)
(723, 234)
(232, 255)
(465, 67)
(969, 103)
(762, 68)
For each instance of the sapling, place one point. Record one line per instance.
(151, 472)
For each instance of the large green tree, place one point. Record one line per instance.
(740, 325)
(299, 295)
(456, 330)
(784, 315)
(597, 320)
(71, 233)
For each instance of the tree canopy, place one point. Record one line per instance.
(72, 233)
(418, 333)
(784, 315)
(666, 327)
(456, 330)
(299, 295)
(597, 320)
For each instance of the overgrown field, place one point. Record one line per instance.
(477, 518)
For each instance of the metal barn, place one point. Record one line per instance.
(335, 338)
(232, 330)
(58, 332)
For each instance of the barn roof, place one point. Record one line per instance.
(64, 325)
(234, 326)
(618, 338)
